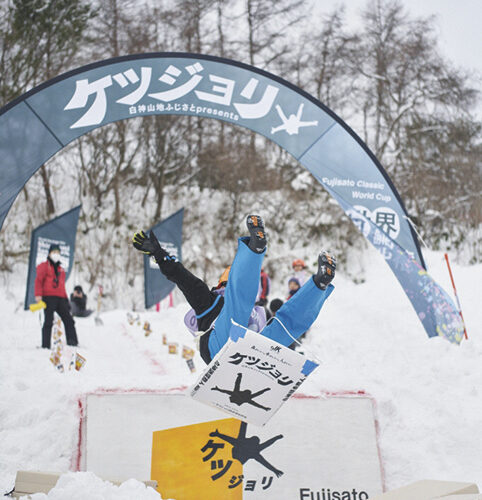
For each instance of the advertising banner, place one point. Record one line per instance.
(61, 231)
(169, 234)
(43, 121)
(251, 376)
(315, 447)
(204, 86)
(434, 307)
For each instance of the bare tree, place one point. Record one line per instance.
(39, 39)
(414, 107)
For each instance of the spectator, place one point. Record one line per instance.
(78, 303)
(50, 287)
(264, 289)
(274, 305)
(300, 272)
(293, 287)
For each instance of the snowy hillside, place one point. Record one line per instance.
(428, 391)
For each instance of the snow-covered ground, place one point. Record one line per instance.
(428, 391)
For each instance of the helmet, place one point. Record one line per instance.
(298, 262)
(224, 277)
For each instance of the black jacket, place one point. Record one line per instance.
(80, 302)
(207, 304)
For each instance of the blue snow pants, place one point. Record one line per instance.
(296, 314)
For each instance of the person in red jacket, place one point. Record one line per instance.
(50, 287)
(264, 289)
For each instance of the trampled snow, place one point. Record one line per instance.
(367, 336)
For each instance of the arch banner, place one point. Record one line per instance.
(41, 122)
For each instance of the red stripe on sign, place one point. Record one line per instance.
(75, 463)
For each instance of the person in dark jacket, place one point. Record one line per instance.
(50, 287)
(274, 306)
(78, 303)
(214, 312)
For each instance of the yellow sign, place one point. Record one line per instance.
(189, 464)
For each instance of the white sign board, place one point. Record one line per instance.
(251, 376)
(317, 447)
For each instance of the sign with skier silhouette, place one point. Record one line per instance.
(322, 446)
(251, 377)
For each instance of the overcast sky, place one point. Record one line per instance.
(458, 24)
(458, 21)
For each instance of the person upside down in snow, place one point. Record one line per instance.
(214, 311)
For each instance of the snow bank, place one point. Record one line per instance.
(82, 485)
(368, 338)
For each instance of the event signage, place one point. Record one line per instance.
(251, 376)
(314, 446)
(434, 308)
(44, 120)
(169, 234)
(60, 231)
(185, 84)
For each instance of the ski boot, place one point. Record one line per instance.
(326, 270)
(257, 234)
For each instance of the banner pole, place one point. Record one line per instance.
(455, 292)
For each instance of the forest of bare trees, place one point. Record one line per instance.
(387, 79)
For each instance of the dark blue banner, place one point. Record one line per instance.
(60, 231)
(169, 234)
(434, 307)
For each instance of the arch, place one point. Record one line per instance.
(41, 122)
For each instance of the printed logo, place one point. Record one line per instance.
(173, 92)
(292, 124)
(209, 457)
(239, 397)
(243, 448)
(383, 217)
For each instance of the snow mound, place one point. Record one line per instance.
(368, 337)
(82, 485)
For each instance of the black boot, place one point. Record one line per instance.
(257, 234)
(326, 270)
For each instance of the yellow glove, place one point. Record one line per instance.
(37, 306)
